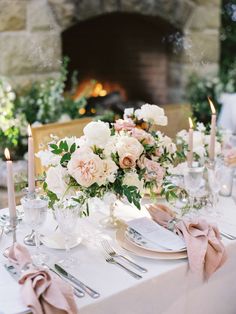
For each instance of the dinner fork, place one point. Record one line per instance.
(109, 249)
(228, 236)
(111, 260)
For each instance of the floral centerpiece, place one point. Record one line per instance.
(124, 159)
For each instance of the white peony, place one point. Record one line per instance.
(151, 113)
(56, 179)
(132, 179)
(97, 133)
(47, 158)
(129, 145)
(109, 172)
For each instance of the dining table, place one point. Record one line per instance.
(167, 287)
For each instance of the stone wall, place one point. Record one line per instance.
(30, 35)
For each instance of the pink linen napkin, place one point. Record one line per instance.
(42, 291)
(206, 252)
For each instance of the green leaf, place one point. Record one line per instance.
(53, 146)
(65, 158)
(72, 148)
(57, 151)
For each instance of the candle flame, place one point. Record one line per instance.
(29, 131)
(190, 123)
(7, 154)
(213, 111)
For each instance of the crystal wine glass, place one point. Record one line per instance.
(192, 181)
(67, 213)
(35, 213)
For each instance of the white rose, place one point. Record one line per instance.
(110, 146)
(182, 136)
(198, 139)
(97, 133)
(152, 114)
(64, 118)
(132, 179)
(129, 145)
(217, 144)
(47, 158)
(56, 179)
(128, 112)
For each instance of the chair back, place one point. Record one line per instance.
(177, 118)
(42, 135)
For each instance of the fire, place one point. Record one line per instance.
(213, 111)
(190, 123)
(99, 90)
(29, 131)
(93, 88)
(7, 154)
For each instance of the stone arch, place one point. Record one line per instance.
(68, 12)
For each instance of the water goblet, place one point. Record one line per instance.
(67, 213)
(215, 173)
(192, 181)
(35, 213)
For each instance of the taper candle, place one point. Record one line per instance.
(190, 143)
(31, 172)
(213, 132)
(10, 186)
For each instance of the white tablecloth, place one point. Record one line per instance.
(167, 288)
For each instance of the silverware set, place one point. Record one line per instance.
(111, 257)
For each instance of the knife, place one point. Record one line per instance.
(16, 275)
(76, 281)
(79, 293)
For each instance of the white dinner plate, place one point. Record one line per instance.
(137, 239)
(139, 251)
(57, 241)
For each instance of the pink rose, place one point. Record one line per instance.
(159, 152)
(142, 136)
(127, 161)
(126, 125)
(154, 170)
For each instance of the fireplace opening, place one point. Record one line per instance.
(125, 55)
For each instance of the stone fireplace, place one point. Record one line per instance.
(146, 47)
(124, 49)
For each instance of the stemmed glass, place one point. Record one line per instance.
(215, 176)
(35, 213)
(192, 181)
(67, 213)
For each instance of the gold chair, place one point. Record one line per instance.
(177, 118)
(42, 135)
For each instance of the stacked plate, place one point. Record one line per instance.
(145, 238)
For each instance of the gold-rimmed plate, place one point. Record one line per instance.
(139, 251)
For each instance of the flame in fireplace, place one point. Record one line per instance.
(93, 88)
